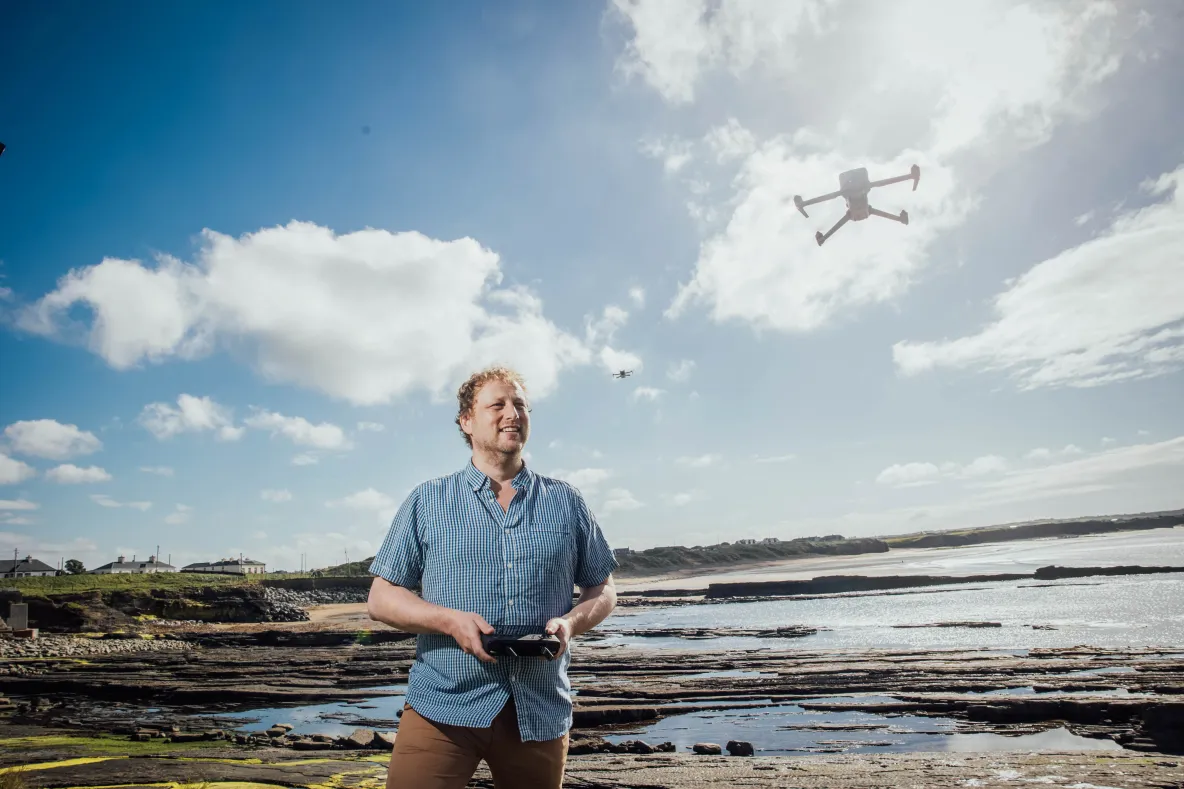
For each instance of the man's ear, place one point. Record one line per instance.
(466, 423)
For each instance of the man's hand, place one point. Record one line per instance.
(467, 628)
(561, 629)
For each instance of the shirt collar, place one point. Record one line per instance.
(478, 480)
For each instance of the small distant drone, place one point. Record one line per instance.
(622, 374)
(853, 187)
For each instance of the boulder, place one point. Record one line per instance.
(740, 748)
(360, 738)
(707, 748)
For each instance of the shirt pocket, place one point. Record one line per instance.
(550, 551)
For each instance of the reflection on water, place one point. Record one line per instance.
(335, 719)
(784, 729)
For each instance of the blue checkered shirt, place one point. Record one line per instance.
(517, 568)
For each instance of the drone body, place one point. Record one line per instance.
(854, 186)
(622, 374)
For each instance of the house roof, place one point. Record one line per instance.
(132, 565)
(25, 565)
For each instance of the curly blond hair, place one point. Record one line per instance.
(468, 391)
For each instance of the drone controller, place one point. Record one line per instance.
(533, 645)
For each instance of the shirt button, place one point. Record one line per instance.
(507, 531)
(511, 602)
(509, 564)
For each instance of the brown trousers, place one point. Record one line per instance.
(430, 755)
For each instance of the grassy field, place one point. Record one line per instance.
(86, 582)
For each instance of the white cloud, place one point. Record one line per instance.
(684, 498)
(18, 504)
(774, 458)
(585, 479)
(647, 393)
(38, 547)
(372, 427)
(14, 471)
(637, 296)
(305, 459)
(618, 499)
(103, 500)
(1099, 471)
(981, 466)
(1111, 309)
(47, 438)
(1107, 440)
(180, 515)
(160, 471)
(681, 372)
(674, 42)
(276, 496)
(909, 474)
(365, 316)
(614, 360)
(192, 415)
(673, 153)
(299, 430)
(69, 474)
(604, 329)
(369, 500)
(968, 85)
(730, 141)
(699, 461)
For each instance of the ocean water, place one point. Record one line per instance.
(1150, 547)
(1114, 611)
(1124, 611)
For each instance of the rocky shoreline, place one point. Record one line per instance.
(181, 695)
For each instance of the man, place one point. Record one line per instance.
(493, 547)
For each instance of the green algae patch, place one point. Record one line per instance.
(106, 744)
(54, 765)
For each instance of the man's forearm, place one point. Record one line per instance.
(404, 610)
(595, 603)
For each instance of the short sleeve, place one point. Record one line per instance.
(400, 558)
(595, 560)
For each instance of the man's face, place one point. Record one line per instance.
(499, 421)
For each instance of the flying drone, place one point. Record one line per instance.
(622, 374)
(853, 188)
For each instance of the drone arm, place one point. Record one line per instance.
(801, 204)
(903, 218)
(821, 237)
(914, 176)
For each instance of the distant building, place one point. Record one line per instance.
(619, 552)
(769, 541)
(121, 565)
(27, 567)
(231, 566)
(746, 541)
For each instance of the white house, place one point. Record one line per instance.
(121, 565)
(27, 567)
(233, 566)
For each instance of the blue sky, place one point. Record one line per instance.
(249, 252)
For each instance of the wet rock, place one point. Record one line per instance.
(360, 738)
(579, 744)
(311, 745)
(384, 740)
(602, 716)
(740, 748)
(707, 748)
